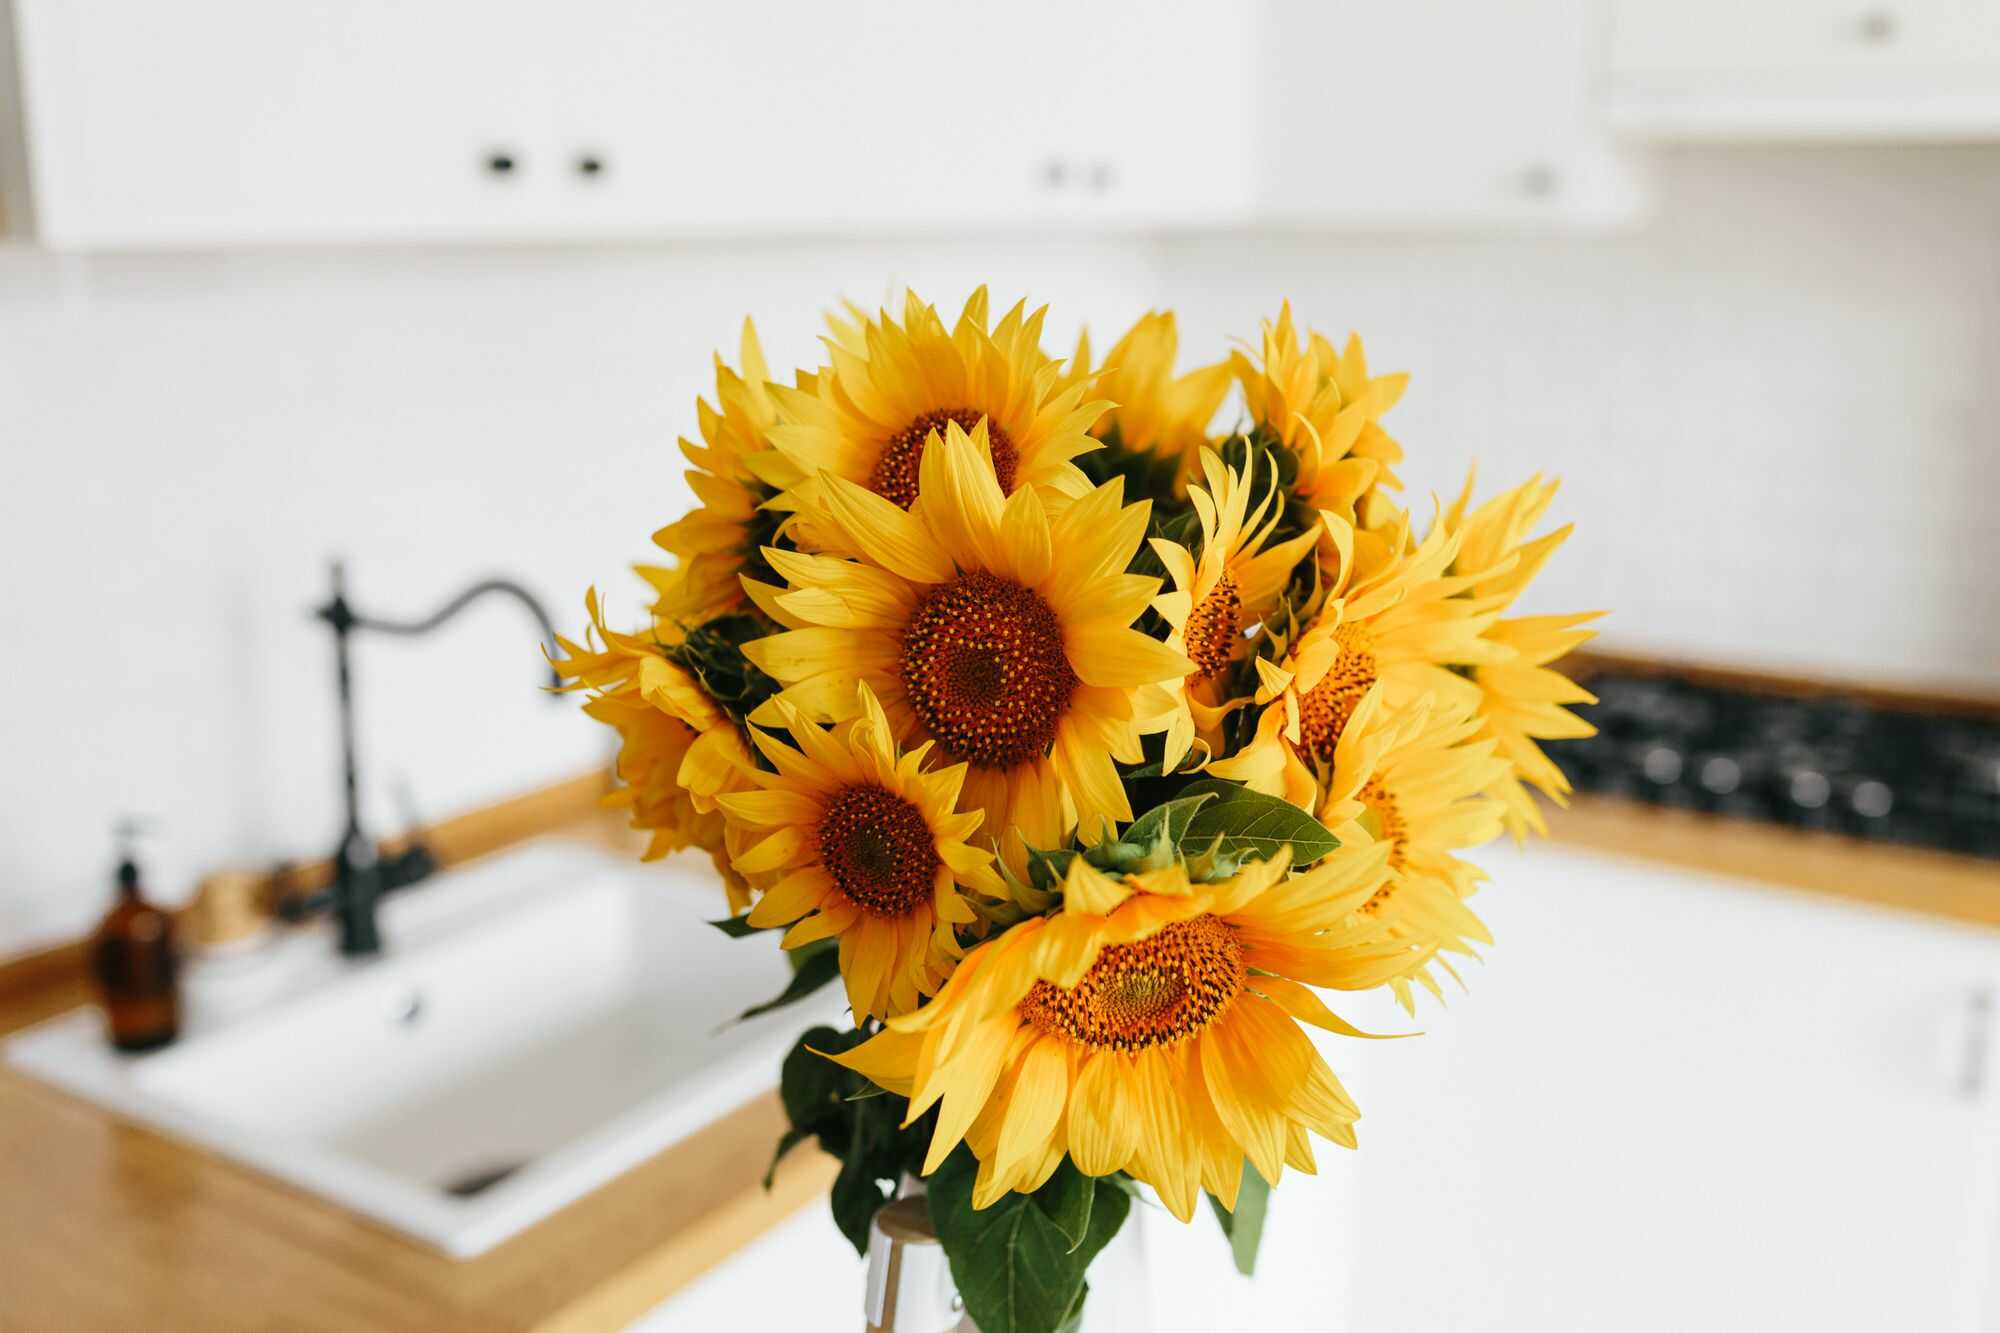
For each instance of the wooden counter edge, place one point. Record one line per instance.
(1954, 888)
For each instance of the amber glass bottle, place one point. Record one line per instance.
(134, 961)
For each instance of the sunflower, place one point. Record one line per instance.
(1406, 624)
(988, 626)
(718, 541)
(1151, 1026)
(1217, 599)
(1157, 412)
(890, 387)
(859, 843)
(1521, 700)
(1325, 407)
(678, 750)
(1413, 781)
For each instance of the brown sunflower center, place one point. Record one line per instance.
(879, 850)
(895, 474)
(1155, 992)
(1326, 707)
(984, 665)
(1385, 820)
(1212, 629)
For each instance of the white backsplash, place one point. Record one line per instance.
(1775, 408)
(1774, 404)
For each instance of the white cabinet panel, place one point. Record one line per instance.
(752, 117)
(1420, 113)
(1162, 116)
(1797, 36)
(223, 121)
(1804, 69)
(902, 115)
(1670, 1103)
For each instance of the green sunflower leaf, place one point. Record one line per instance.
(1166, 823)
(792, 1139)
(813, 1087)
(859, 1192)
(1245, 1227)
(815, 970)
(739, 927)
(1047, 868)
(1250, 826)
(855, 1121)
(1015, 1266)
(1066, 1198)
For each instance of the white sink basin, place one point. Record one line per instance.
(536, 1025)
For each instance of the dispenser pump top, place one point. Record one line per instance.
(126, 832)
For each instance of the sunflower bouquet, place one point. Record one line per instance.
(1084, 743)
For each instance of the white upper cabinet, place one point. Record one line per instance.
(1418, 113)
(900, 115)
(1804, 69)
(219, 122)
(1163, 108)
(233, 122)
(240, 121)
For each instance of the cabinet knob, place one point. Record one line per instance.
(1540, 181)
(1974, 1045)
(1055, 173)
(1877, 27)
(500, 162)
(591, 165)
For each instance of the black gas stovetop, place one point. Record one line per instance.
(1819, 762)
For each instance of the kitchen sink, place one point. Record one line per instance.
(537, 1024)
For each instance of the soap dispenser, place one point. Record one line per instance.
(133, 959)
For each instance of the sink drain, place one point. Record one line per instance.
(478, 1181)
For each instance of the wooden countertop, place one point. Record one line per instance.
(104, 1225)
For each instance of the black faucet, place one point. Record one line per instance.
(361, 873)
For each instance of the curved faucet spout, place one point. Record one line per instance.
(464, 599)
(360, 876)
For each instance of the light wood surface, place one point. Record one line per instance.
(108, 1226)
(1910, 879)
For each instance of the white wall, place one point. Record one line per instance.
(1774, 404)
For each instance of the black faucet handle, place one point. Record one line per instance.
(414, 864)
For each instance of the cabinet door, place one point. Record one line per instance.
(1417, 113)
(898, 114)
(1800, 40)
(1672, 1102)
(230, 121)
(734, 118)
(1149, 115)
(1809, 69)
